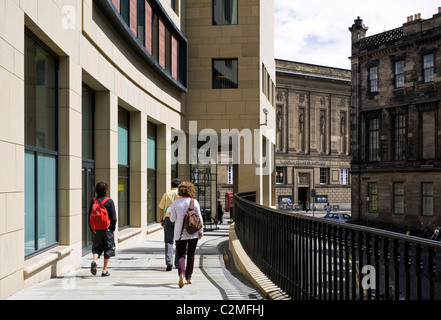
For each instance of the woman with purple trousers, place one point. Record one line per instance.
(185, 243)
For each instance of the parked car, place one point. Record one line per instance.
(340, 217)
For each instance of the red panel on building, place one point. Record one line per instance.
(134, 16)
(148, 27)
(174, 58)
(117, 4)
(161, 44)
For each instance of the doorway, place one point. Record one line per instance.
(303, 197)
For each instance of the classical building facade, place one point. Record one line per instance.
(97, 90)
(312, 135)
(396, 133)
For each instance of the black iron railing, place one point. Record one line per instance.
(313, 259)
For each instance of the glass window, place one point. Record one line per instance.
(428, 68)
(30, 243)
(399, 74)
(175, 6)
(373, 196)
(398, 198)
(123, 167)
(87, 123)
(324, 175)
(280, 175)
(151, 172)
(125, 11)
(225, 73)
(41, 97)
(41, 146)
(141, 21)
(123, 137)
(344, 176)
(374, 140)
(373, 79)
(88, 165)
(224, 12)
(427, 198)
(400, 137)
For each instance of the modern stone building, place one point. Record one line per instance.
(95, 90)
(312, 136)
(396, 142)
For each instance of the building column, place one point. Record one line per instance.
(106, 142)
(138, 169)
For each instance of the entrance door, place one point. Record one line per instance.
(303, 197)
(88, 181)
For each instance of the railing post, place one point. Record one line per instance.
(418, 270)
(431, 272)
(386, 259)
(396, 263)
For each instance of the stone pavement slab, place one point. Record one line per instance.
(138, 273)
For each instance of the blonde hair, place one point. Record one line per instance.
(186, 189)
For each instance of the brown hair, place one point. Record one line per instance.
(101, 189)
(186, 189)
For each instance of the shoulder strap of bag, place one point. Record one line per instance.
(104, 200)
(192, 208)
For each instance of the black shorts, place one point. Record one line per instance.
(103, 241)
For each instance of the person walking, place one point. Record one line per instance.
(328, 208)
(220, 212)
(164, 214)
(185, 243)
(103, 240)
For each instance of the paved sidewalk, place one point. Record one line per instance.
(138, 273)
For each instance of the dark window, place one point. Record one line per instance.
(427, 198)
(398, 198)
(225, 73)
(400, 137)
(224, 12)
(141, 21)
(399, 74)
(374, 139)
(125, 11)
(281, 175)
(41, 146)
(373, 196)
(428, 68)
(373, 79)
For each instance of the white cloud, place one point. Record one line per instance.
(316, 31)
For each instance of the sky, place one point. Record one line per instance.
(316, 31)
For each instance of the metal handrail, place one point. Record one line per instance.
(312, 258)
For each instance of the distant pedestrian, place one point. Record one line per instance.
(220, 212)
(328, 208)
(102, 228)
(169, 227)
(185, 243)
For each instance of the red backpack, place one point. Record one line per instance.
(99, 217)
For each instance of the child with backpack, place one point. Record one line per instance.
(186, 213)
(102, 223)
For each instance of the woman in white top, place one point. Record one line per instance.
(185, 244)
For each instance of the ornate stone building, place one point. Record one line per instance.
(312, 135)
(396, 145)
